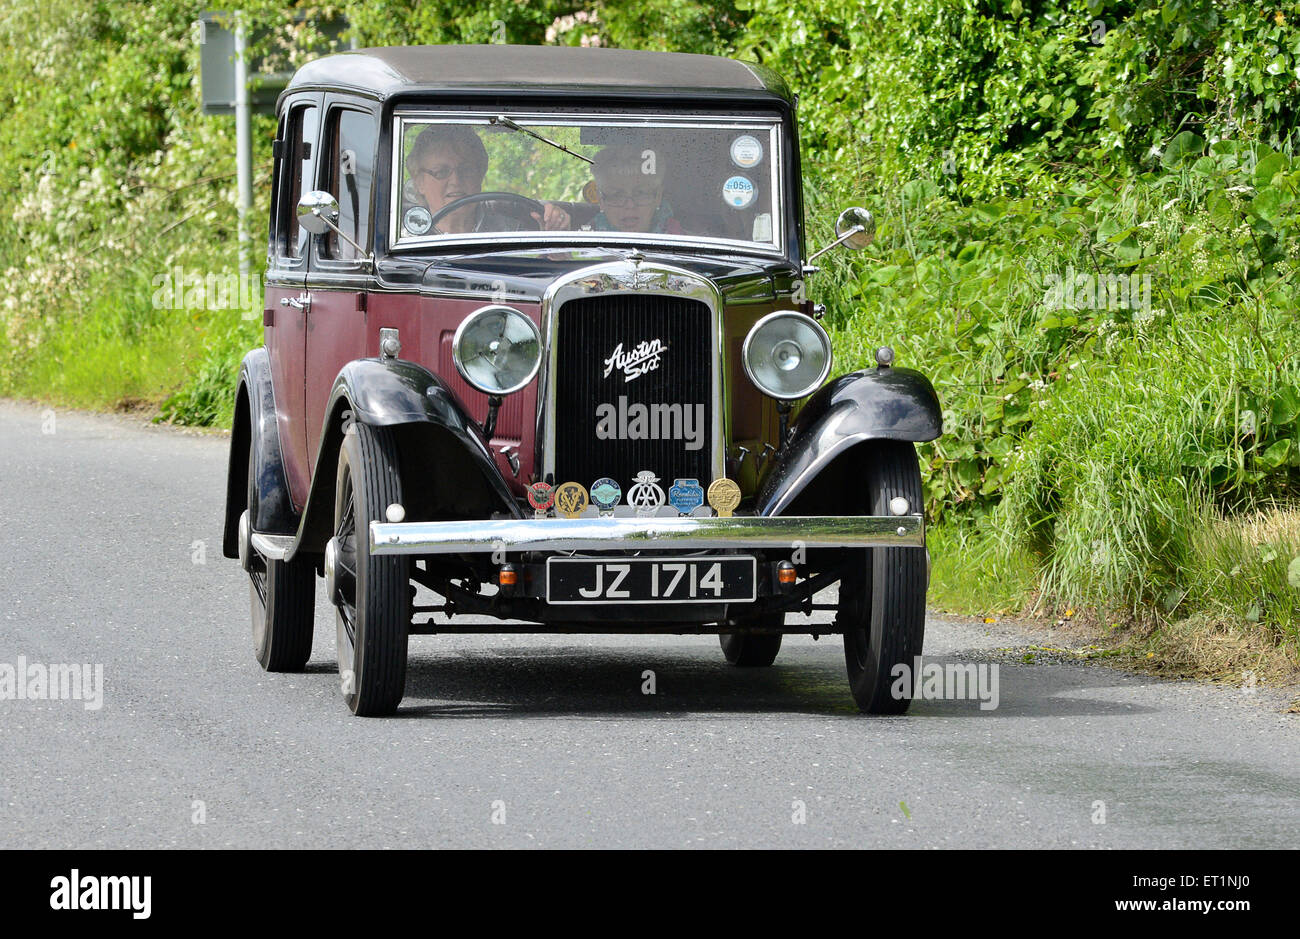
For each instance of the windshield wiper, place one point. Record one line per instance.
(506, 122)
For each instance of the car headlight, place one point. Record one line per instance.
(497, 349)
(787, 355)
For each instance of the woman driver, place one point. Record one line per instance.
(448, 162)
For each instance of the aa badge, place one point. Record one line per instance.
(724, 496)
(606, 493)
(571, 499)
(541, 497)
(686, 495)
(645, 496)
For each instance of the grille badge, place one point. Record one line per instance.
(606, 494)
(541, 497)
(724, 496)
(637, 361)
(686, 495)
(571, 499)
(645, 496)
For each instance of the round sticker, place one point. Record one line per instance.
(738, 192)
(746, 151)
(417, 220)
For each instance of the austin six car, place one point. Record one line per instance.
(538, 357)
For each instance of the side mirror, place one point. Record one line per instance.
(318, 211)
(855, 228)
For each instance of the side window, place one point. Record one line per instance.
(351, 138)
(298, 171)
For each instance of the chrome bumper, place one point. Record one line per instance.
(637, 534)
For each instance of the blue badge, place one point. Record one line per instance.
(606, 494)
(686, 495)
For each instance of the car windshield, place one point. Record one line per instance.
(471, 176)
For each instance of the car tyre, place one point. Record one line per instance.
(753, 650)
(372, 592)
(882, 595)
(282, 597)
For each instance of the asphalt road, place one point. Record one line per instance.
(110, 556)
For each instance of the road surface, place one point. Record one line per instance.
(110, 555)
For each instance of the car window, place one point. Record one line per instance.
(351, 169)
(594, 176)
(299, 166)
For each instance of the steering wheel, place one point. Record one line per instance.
(531, 204)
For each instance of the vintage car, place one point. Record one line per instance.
(538, 358)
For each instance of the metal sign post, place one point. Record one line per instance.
(243, 143)
(225, 71)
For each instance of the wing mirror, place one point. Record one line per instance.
(855, 229)
(318, 212)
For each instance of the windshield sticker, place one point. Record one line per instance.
(417, 220)
(746, 151)
(738, 192)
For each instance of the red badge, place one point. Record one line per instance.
(541, 496)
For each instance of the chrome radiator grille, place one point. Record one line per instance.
(633, 386)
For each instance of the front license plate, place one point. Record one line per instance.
(728, 579)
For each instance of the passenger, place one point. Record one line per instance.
(630, 184)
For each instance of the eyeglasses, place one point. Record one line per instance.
(620, 200)
(462, 171)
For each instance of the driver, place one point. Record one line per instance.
(448, 162)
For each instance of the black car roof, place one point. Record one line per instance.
(399, 69)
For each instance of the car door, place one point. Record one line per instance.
(284, 316)
(340, 271)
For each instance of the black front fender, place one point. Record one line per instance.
(256, 432)
(447, 469)
(873, 404)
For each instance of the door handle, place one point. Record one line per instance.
(302, 302)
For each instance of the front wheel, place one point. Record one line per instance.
(882, 595)
(371, 593)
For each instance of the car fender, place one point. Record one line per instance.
(271, 509)
(438, 440)
(872, 404)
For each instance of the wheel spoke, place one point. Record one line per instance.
(348, 614)
(259, 584)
